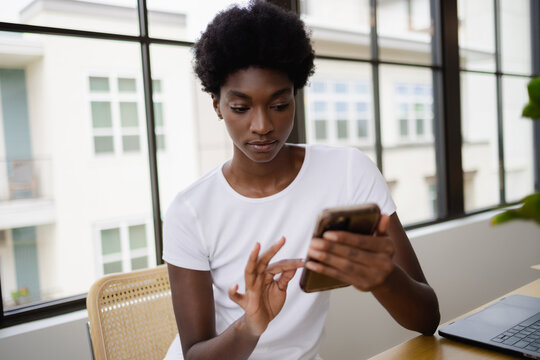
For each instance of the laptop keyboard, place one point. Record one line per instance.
(525, 335)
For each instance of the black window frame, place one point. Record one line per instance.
(447, 125)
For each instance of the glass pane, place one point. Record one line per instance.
(110, 241)
(156, 86)
(103, 16)
(127, 85)
(103, 144)
(405, 145)
(320, 129)
(518, 140)
(139, 263)
(404, 29)
(341, 106)
(158, 114)
(338, 95)
(183, 20)
(99, 84)
(319, 106)
(480, 146)
(112, 267)
(404, 128)
(160, 142)
(362, 128)
(476, 34)
(131, 143)
(197, 141)
(54, 151)
(129, 115)
(137, 237)
(419, 127)
(342, 129)
(101, 114)
(516, 36)
(339, 27)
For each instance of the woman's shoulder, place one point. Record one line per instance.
(196, 190)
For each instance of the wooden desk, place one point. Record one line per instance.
(436, 347)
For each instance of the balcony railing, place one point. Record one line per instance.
(25, 179)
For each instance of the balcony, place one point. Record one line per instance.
(26, 197)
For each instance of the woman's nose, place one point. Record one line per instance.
(261, 123)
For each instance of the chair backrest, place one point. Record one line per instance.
(131, 315)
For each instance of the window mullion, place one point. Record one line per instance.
(150, 127)
(115, 115)
(498, 89)
(450, 128)
(374, 43)
(535, 47)
(298, 133)
(441, 184)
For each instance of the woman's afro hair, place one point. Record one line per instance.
(261, 35)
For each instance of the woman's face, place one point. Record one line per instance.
(258, 108)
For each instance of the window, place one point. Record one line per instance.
(346, 106)
(318, 87)
(123, 248)
(362, 128)
(340, 88)
(496, 63)
(414, 111)
(115, 104)
(379, 86)
(319, 106)
(122, 131)
(320, 129)
(342, 129)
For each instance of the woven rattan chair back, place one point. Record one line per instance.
(131, 315)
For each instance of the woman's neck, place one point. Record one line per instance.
(257, 180)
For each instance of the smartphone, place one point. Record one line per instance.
(360, 219)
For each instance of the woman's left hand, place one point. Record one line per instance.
(364, 261)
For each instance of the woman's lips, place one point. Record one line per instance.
(262, 146)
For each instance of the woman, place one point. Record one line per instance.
(233, 275)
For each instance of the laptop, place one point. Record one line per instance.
(510, 325)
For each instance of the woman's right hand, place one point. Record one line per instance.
(265, 295)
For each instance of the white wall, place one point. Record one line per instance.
(468, 262)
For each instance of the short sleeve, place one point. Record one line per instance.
(367, 185)
(183, 245)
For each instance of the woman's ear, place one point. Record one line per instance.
(215, 103)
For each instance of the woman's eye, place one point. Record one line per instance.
(239, 109)
(280, 107)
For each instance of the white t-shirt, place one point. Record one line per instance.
(209, 226)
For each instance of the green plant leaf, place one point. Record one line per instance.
(534, 91)
(505, 216)
(531, 111)
(531, 207)
(530, 210)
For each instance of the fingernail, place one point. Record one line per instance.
(330, 236)
(316, 243)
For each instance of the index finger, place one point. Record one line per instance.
(251, 266)
(269, 254)
(284, 265)
(364, 242)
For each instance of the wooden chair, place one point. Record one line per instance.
(131, 316)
